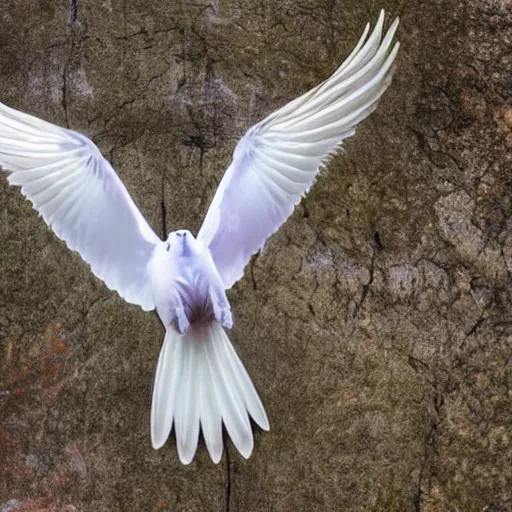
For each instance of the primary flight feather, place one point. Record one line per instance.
(200, 382)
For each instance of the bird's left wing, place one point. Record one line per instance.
(82, 199)
(278, 159)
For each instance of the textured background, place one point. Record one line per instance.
(377, 324)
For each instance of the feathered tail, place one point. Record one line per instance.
(200, 380)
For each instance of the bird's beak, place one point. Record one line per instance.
(185, 250)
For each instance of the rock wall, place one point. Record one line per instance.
(376, 324)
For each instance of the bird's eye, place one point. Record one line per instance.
(167, 247)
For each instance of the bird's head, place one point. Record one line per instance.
(182, 243)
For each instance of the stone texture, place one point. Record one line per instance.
(376, 324)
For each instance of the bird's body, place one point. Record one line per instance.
(200, 383)
(191, 302)
(188, 290)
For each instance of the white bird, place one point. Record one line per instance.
(200, 382)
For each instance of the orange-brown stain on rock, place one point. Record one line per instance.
(53, 333)
(39, 373)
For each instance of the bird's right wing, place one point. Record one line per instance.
(278, 159)
(82, 199)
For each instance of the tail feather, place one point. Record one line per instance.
(201, 382)
(211, 420)
(165, 391)
(227, 397)
(246, 389)
(186, 413)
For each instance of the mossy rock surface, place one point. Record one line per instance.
(377, 323)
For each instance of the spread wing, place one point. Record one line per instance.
(82, 199)
(278, 159)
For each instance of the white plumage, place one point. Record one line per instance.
(200, 378)
(278, 159)
(82, 199)
(200, 382)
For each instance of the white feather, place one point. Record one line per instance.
(278, 159)
(186, 413)
(200, 381)
(80, 196)
(211, 421)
